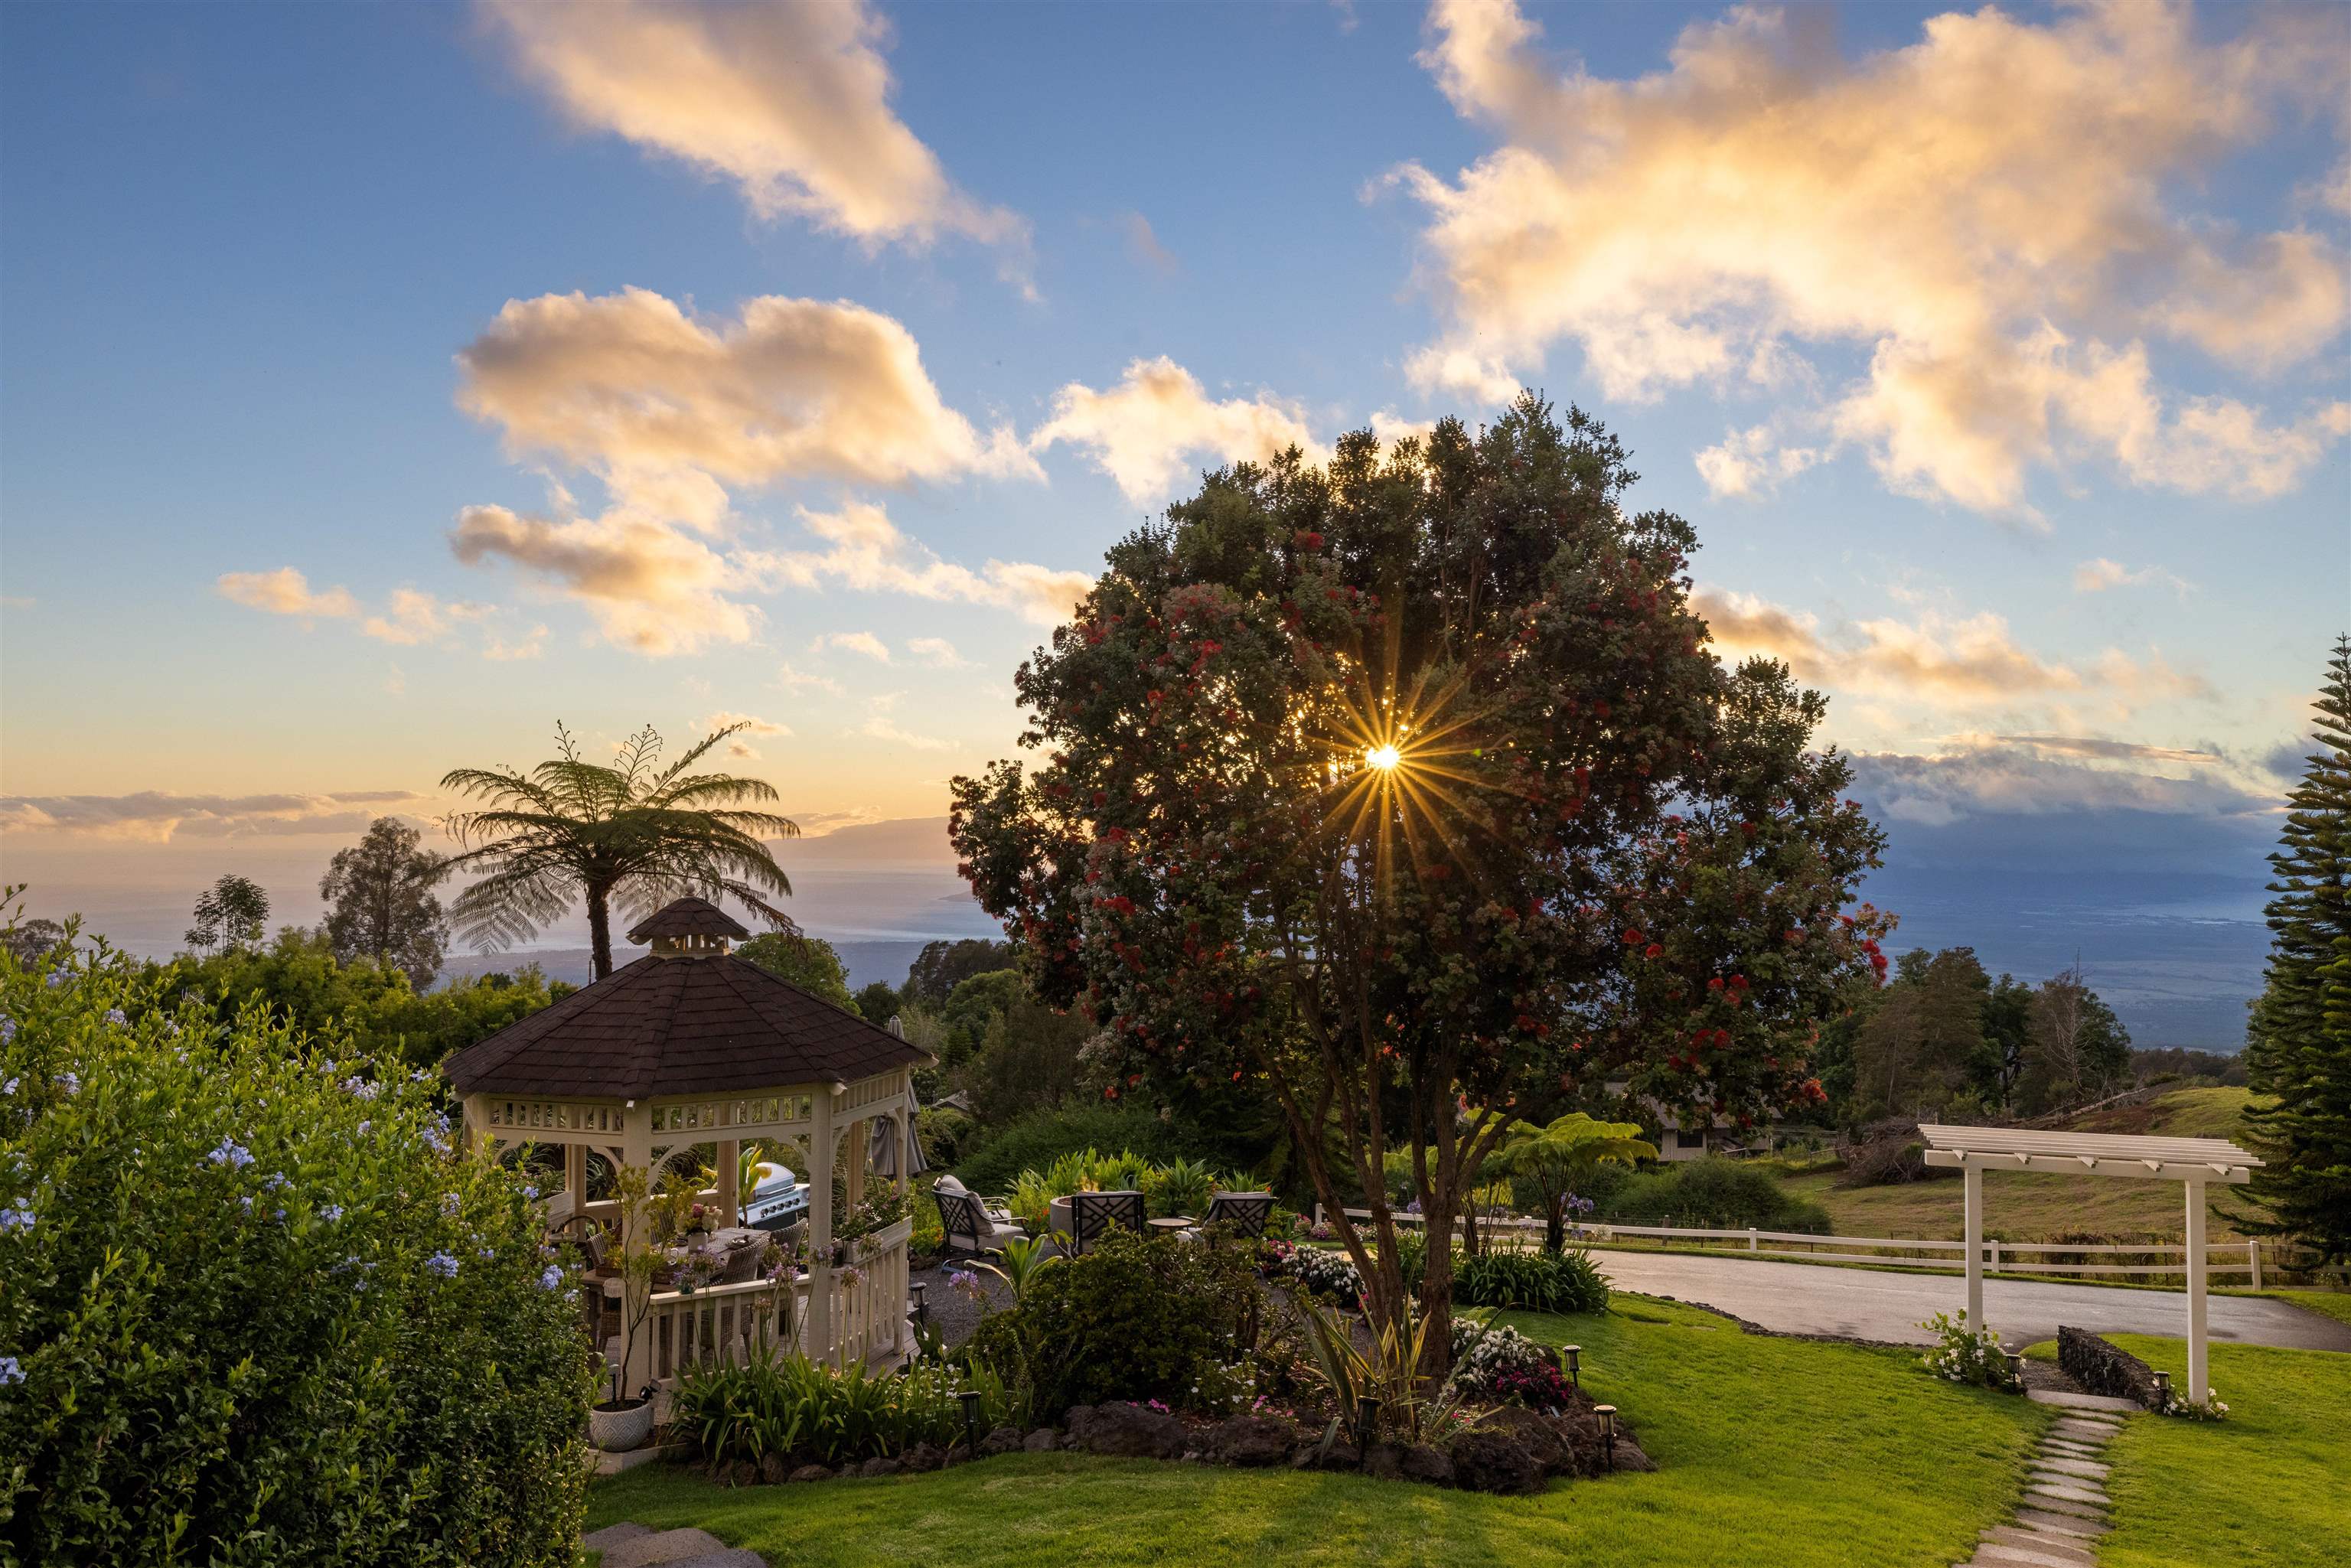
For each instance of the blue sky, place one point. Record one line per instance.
(1997, 357)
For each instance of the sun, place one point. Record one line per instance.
(1383, 757)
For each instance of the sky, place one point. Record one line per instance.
(382, 384)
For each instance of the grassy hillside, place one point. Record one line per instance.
(2030, 1207)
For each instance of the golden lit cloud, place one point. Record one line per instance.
(791, 102)
(152, 816)
(1143, 431)
(650, 587)
(864, 550)
(286, 591)
(1987, 213)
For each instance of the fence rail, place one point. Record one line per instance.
(2220, 1257)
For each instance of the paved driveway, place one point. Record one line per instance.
(1879, 1304)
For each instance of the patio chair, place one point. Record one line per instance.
(1244, 1213)
(969, 1227)
(742, 1264)
(1091, 1213)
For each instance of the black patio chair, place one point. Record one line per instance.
(1242, 1214)
(1091, 1213)
(968, 1227)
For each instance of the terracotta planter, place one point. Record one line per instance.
(618, 1426)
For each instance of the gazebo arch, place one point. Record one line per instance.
(2194, 1162)
(691, 1045)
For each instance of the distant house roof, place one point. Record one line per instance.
(686, 1023)
(687, 917)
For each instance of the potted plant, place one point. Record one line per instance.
(619, 1423)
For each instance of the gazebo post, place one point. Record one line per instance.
(730, 1180)
(1974, 1184)
(819, 1222)
(852, 1162)
(637, 1153)
(2196, 1389)
(575, 1175)
(906, 1121)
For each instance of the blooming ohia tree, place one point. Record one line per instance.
(1412, 786)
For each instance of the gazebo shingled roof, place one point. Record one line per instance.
(688, 917)
(683, 1024)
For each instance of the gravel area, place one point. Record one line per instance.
(956, 1314)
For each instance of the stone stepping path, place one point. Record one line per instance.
(627, 1545)
(2064, 1509)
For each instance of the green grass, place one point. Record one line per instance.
(2263, 1486)
(1774, 1451)
(2336, 1304)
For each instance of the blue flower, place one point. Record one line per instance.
(9, 1087)
(231, 1153)
(450, 1204)
(7, 1029)
(57, 977)
(436, 1135)
(529, 1190)
(443, 1264)
(245, 1203)
(11, 1371)
(272, 1181)
(18, 1219)
(117, 1016)
(363, 1128)
(70, 1083)
(552, 1280)
(331, 1212)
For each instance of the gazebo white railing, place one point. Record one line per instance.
(2195, 1162)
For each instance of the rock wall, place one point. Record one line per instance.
(2097, 1367)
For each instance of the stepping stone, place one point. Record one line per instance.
(2068, 1445)
(2066, 1467)
(2046, 1494)
(661, 1547)
(2081, 1432)
(2026, 1557)
(2060, 1524)
(2067, 1548)
(2072, 1401)
(611, 1535)
(2041, 1477)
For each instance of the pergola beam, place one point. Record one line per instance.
(2080, 1164)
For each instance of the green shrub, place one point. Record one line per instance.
(1180, 1187)
(257, 1309)
(805, 1412)
(1539, 1282)
(1711, 1193)
(994, 1159)
(1136, 1317)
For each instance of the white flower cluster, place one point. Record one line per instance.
(1324, 1273)
(1962, 1354)
(1484, 1356)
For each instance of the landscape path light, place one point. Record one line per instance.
(1607, 1414)
(2162, 1391)
(1367, 1418)
(921, 1311)
(2015, 1369)
(970, 1397)
(1576, 1366)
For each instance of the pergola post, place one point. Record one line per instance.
(730, 1180)
(821, 1155)
(2196, 1389)
(575, 1175)
(1973, 1183)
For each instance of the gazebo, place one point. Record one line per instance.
(2194, 1162)
(688, 1046)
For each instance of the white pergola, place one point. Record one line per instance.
(2194, 1162)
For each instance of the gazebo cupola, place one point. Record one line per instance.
(691, 1045)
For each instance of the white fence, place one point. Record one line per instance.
(2000, 1257)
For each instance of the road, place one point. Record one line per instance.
(1882, 1305)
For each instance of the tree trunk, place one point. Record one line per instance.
(599, 930)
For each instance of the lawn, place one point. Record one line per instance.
(1772, 1451)
(2264, 1487)
(2021, 1207)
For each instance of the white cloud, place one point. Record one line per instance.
(530, 646)
(2100, 574)
(159, 816)
(1142, 431)
(668, 409)
(880, 728)
(937, 652)
(412, 616)
(865, 550)
(793, 680)
(791, 102)
(1938, 662)
(1987, 212)
(286, 591)
(1751, 462)
(864, 643)
(650, 587)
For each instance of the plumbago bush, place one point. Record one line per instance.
(255, 1308)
